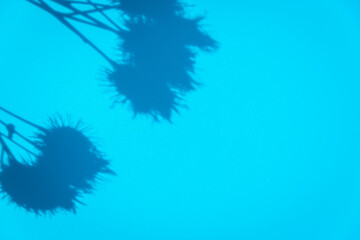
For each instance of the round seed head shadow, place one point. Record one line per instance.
(68, 165)
(158, 49)
(154, 98)
(69, 154)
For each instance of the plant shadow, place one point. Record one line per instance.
(158, 46)
(158, 50)
(67, 166)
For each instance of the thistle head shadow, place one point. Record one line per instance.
(159, 48)
(67, 166)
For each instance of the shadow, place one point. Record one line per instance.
(67, 166)
(158, 46)
(35, 189)
(158, 49)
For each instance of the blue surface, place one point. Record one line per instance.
(268, 149)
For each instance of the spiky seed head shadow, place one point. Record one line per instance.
(68, 165)
(159, 47)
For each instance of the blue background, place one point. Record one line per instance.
(268, 149)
